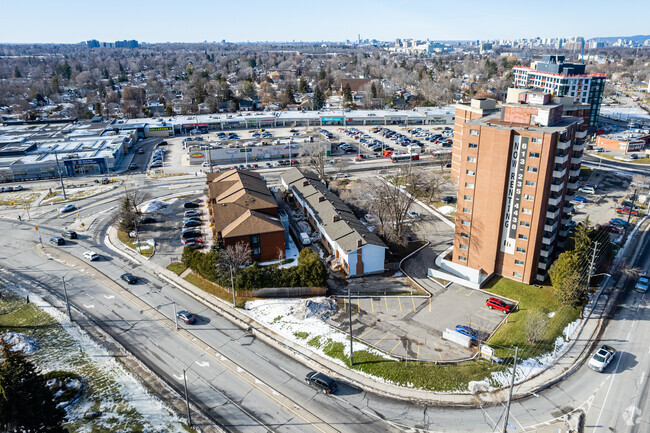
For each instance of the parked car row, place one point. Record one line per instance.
(157, 159)
(191, 233)
(11, 188)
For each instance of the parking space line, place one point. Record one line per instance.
(429, 305)
(459, 289)
(471, 292)
(386, 301)
(372, 306)
(439, 354)
(345, 306)
(398, 342)
(487, 309)
(377, 343)
(358, 305)
(413, 300)
(489, 320)
(400, 303)
(369, 329)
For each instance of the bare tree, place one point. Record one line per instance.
(314, 156)
(536, 325)
(234, 257)
(136, 198)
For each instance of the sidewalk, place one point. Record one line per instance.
(568, 363)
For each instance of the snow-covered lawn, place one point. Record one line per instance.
(55, 343)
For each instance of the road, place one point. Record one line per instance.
(232, 398)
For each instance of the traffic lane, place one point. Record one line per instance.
(152, 336)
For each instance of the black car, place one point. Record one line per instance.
(186, 317)
(57, 241)
(69, 234)
(147, 220)
(129, 278)
(190, 233)
(191, 205)
(192, 223)
(325, 383)
(449, 199)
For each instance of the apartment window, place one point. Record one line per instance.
(528, 197)
(464, 235)
(470, 172)
(517, 275)
(533, 154)
(521, 250)
(466, 223)
(467, 197)
(526, 210)
(532, 169)
(519, 262)
(469, 185)
(524, 237)
(530, 183)
(255, 239)
(535, 140)
(462, 258)
(467, 210)
(524, 223)
(471, 159)
(473, 145)
(473, 132)
(463, 247)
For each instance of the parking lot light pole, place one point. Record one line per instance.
(187, 400)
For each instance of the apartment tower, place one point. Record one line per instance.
(516, 166)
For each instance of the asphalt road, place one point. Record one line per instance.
(246, 405)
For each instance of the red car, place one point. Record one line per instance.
(498, 304)
(627, 210)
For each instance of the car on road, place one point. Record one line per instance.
(587, 189)
(129, 278)
(602, 358)
(191, 205)
(133, 166)
(191, 213)
(413, 214)
(140, 151)
(147, 220)
(57, 241)
(498, 304)
(642, 284)
(580, 199)
(69, 234)
(466, 330)
(324, 383)
(91, 255)
(191, 223)
(68, 208)
(186, 317)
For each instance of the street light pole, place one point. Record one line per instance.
(350, 323)
(67, 303)
(187, 400)
(512, 385)
(175, 316)
(56, 156)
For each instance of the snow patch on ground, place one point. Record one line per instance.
(446, 209)
(289, 316)
(155, 206)
(290, 252)
(21, 342)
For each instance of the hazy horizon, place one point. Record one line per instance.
(292, 21)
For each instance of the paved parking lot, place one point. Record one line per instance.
(413, 327)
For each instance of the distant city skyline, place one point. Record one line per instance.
(288, 20)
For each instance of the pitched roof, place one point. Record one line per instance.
(251, 222)
(336, 218)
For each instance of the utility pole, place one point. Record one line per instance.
(175, 316)
(629, 216)
(591, 269)
(27, 209)
(67, 303)
(60, 175)
(512, 386)
(232, 285)
(350, 323)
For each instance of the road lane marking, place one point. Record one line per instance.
(109, 297)
(489, 320)
(377, 343)
(429, 305)
(88, 306)
(369, 329)
(439, 354)
(413, 300)
(203, 364)
(398, 342)
(400, 303)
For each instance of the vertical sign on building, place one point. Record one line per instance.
(514, 190)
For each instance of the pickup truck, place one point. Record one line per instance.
(601, 359)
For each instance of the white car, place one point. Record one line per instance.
(91, 255)
(67, 208)
(413, 214)
(601, 359)
(587, 189)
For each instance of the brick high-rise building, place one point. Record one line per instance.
(552, 74)
(515, 167)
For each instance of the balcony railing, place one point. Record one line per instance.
(563, 145)
(581, 134)
(559, 174)
(553, 215)
(545, 253)
(576, 160)
(548, 240)
(572, 173)
(551, 227)
(561, 159)
(557, 187)
(578, 147)
(555, 201)
(573, 185)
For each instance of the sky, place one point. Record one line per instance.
(72, 21)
